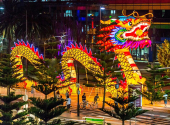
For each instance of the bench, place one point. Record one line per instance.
(99, 121)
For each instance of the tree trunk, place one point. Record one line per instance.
(104, 75)
(54, 94)
(104, 97)
(45, 96)
(86, 75)
(152, 101)
(9, 46)
(123, 122)
(8, 90)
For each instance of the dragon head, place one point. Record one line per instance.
(129, 31)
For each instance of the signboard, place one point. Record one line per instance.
(25, 97)
(132, 92)
(78, 92)
(32, 89)
(77, 85)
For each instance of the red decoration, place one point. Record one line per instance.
(73, 79)
(25, 84)
(19, 66)
(70, 64)
(22, 43)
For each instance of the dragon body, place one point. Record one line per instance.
(128, 32)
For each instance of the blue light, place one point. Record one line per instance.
(1, 8)
(96, 13)
(122, 18)
(102, 8)
(82, 18)
(78, 12)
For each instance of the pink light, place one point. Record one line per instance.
(81, 8)
(92, 24)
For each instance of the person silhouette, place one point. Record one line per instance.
(165, 99)
(68, 103)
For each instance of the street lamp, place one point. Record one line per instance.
(62, 40)
(101, 8)
(117, 86)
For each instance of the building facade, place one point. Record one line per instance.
(89, 13)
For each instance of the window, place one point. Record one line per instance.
(68, 13)
(88, 28)
(163, 13)
(138, 53)
(89, 14)
(133, 52)
(112, 12)
(144, 53)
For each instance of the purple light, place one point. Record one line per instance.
(136, 44)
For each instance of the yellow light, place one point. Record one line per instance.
(23, 51)
(85, 60)
(139, 32)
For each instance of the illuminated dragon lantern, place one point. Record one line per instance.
(128, 32)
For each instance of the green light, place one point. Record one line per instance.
(112, 21)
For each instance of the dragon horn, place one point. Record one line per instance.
(148, 14)
(137, 16)
(123, 12)
(143, 16)
(136, 13)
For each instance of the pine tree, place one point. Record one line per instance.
(164, 55)
(106, 58)
(8, 74)
(8, 116)
(8, 78)
(125, 109)
(51, 45)
(152, 89)
(48, 78)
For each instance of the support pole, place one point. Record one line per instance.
(86, 22)
(44, 50)
(78, 111)
(26, 41)
(100, 17)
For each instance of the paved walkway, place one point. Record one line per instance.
(149, 118)
(158, 113)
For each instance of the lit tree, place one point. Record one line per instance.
(154, 84)
(125, 109)
(51, 47)
(164, 55)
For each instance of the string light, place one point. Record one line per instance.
(129, 32)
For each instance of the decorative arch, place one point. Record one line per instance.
(30, 53)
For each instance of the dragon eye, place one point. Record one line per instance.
(130, 23)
